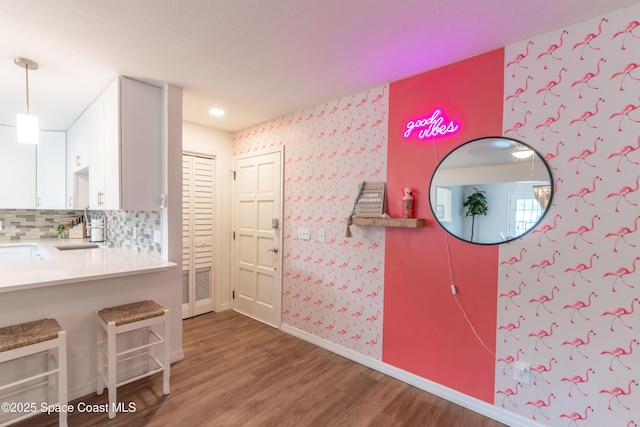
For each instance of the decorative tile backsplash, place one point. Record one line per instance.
(26, 224)
(134, 230)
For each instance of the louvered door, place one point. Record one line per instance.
(197, 234)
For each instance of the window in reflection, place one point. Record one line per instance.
(525, 211)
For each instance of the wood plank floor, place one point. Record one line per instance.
(239, 372)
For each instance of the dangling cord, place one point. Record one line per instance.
(453, 287)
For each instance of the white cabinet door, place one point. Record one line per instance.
(141, 145)
(99, 196)
(77, 163)
(78, 146)
(111, 199)
(96, 155)
(51, 159)
(17, 172)
(71, 143)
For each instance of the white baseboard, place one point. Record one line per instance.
(434, 388)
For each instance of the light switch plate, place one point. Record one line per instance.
(304, 234)
(322, 236)
(156, 236)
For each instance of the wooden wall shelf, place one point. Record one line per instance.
(390, 222)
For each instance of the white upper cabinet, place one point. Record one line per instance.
(50, 165)
(77, 163)
(125, 134)
(17, 171)
(97, 138)
(78, 144)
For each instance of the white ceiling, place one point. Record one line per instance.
(256, 59)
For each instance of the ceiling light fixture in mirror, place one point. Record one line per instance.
(509, 177)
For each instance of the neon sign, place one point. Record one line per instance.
(431, 127)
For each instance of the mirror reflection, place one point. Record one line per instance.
(491, 190)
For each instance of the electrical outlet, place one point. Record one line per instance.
(156, 236)
(134, 232)
(322, 236)
(304, 234)
(522, 372)
(0, 225)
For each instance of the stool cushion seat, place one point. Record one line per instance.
(129, 313)
(29, 333)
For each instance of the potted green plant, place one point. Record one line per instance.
(476, 204)
(60, 229)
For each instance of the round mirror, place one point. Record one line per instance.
(491, 190)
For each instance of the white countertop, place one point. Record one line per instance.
(72, 266)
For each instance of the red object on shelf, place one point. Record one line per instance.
(407, 203)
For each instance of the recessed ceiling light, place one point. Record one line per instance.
(216, 112)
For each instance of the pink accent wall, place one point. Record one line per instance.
(424, 330)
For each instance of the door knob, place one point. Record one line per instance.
(274, 250)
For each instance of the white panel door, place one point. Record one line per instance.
(258, 238)
(197, 234)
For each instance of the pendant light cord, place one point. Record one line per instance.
(26, 70)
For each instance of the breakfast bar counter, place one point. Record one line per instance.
(70, 261)
(67, 281)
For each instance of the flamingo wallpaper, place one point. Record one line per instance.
(333, 290)
(569, 291)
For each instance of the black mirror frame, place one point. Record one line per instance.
(533, 227)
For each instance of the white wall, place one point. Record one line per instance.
(197, 139)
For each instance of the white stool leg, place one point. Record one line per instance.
(99, 356)
(62, 377)
(111, 368)
(166, 359)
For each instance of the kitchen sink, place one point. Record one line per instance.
(22, 252)
(75, 246)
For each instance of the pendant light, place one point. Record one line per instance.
(27, 124)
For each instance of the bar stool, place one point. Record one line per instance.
(113, 321)
(26, 339)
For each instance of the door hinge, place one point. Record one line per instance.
(233, 294)
(234, 235)
(234, 175)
